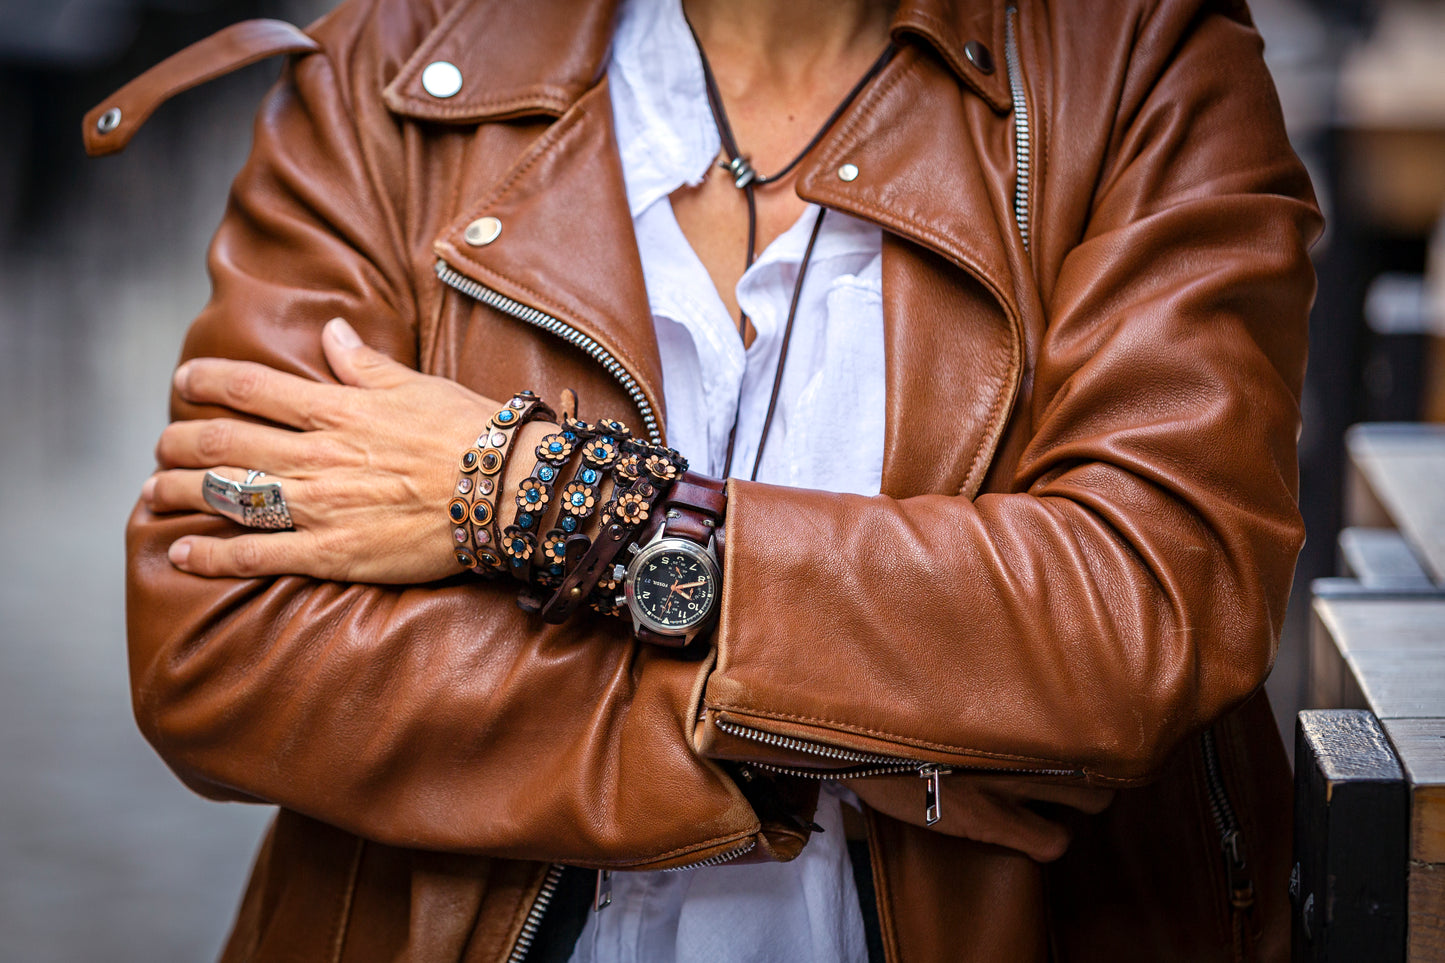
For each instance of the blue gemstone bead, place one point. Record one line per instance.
(525, 520)
(555, 447)
(569, 524)
(555, 570)
(589, 476)
(505, 417)
(547, 473)
(570, 436)
(579, 499)
(534, 495)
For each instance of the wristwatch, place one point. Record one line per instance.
(673, 585)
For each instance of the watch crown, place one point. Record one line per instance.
(619, 571)
(620, 601)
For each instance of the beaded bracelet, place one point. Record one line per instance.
(473, 511)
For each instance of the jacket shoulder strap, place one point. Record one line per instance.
(110, 125)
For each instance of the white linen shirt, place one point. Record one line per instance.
(827, 434)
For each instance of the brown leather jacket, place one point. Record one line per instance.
(1096, 289)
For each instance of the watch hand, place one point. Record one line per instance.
(700, 581)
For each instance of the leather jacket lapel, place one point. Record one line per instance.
(566, 245)
(926, 153)
(555, 51)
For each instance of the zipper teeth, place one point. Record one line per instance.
(1214, 781)
(888, 770)
(811, 748)
(522, 312)
(718, 859)
(1022, 134)
(523, 946)
(885, 765)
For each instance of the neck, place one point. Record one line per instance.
(763, 41)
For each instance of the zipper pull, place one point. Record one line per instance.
(1241, 887)
(933, 791)
(603, 897)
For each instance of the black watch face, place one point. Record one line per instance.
(674, 589)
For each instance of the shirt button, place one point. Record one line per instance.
(482, 231)
(441, 79)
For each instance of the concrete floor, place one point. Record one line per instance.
(103, 854)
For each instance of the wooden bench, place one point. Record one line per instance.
(1369, 881)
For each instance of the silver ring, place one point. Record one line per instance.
(250, 503)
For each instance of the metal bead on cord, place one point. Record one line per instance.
(747, 180)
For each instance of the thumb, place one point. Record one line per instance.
(356, 364)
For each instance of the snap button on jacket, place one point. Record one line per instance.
(1095, 295)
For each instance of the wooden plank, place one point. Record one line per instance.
(1395, 651)
(1425, 940)
(1420, 746)
(1350, 840)
(1380, 558)
(1403, 465)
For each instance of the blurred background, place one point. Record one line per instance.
(103, 854)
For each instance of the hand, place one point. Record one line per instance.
(989, 808)
(367, 473)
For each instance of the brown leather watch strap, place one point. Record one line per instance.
(110, 125)
(694, 507)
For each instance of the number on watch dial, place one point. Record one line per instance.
(674, 589)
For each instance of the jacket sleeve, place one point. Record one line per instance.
(1127, 584)
(436, 716)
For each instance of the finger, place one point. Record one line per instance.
(356, 364)
(179, 490)
(257, 389)
(182, 490)
(246, 556)
(1006, 824)
(206, 443)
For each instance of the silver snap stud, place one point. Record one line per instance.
(482, 231)
(979, 56)
(441, 79)
(108, 121)
(848, 172)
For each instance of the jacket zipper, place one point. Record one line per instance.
(540, 319)
(871, 765)
(1023, 137)
(1236, 869)
(523, 946)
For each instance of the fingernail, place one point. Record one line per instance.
(343, 333)
(148, 490)
(183, 377)
(179, 553)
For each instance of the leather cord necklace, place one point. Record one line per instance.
(747, 180)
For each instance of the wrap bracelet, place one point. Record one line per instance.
(640, 482)
(576, 501)
(472, 511)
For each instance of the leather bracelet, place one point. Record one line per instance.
(473, 510)
(640, 481)
(577, 500)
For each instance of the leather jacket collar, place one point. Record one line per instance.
(903, 134)
(546, 71)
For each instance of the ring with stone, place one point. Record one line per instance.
(252, 503)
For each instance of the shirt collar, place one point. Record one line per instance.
(665, 131)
